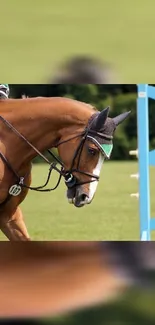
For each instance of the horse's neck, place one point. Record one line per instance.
(43, 121)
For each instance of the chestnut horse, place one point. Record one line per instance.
(82, 135)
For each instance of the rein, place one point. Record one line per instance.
(70, 180)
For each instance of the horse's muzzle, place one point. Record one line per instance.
(81, 197)
(77, 196)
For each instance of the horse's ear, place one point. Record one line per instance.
(100, 119)
(120, 118)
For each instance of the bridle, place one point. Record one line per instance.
(70, 180)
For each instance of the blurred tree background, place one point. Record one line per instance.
(120, 98)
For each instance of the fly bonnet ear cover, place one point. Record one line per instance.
(104, 128)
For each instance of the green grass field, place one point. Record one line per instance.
(113, 215)
(36, 36)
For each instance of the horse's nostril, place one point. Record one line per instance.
(83, 197)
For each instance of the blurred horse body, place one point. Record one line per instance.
(48, 279)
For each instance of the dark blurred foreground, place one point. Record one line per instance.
(78, 282)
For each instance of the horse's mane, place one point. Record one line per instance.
(4, 104)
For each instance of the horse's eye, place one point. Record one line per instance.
(92, 151)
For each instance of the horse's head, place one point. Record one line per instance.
(84, 154)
